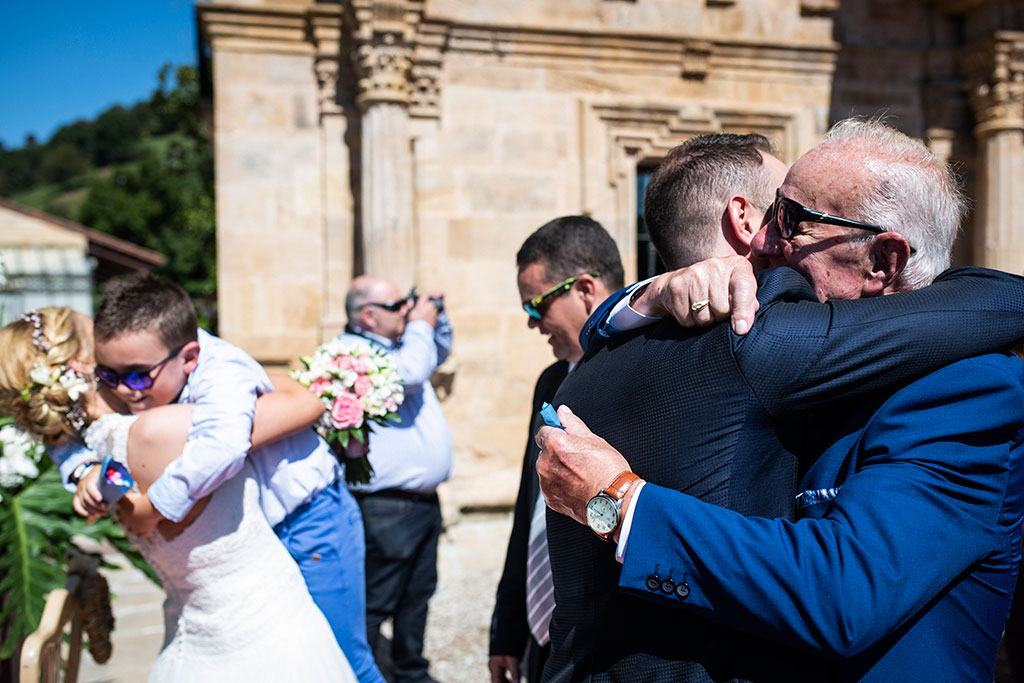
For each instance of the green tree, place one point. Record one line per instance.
(62, 162)
(117, 132)
(159, 193)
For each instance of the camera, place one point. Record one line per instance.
(437, 301)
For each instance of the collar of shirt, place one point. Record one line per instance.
(383, 341)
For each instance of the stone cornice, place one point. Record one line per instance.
(994, 70)
(266, 28)
(688, 57)
(397, 53)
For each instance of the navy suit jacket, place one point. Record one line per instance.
(736, 421)
(510, 630)
(901, 564)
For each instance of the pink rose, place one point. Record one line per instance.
(360, 365)
(347, 412)
(341, 362)
(318, 387)
(362, 386)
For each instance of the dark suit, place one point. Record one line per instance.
(510, 632)
(901, 564)
(735, 421)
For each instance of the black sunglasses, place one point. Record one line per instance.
(789, 213)
(393, 306)
(137, 380)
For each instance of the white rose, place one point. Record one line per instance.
(74, 384)
(40, 374)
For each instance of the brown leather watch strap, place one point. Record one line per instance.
(621, 483)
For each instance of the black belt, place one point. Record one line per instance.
(398, 493)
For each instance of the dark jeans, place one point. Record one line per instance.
(401, 574)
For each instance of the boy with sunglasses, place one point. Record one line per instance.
(150, 352)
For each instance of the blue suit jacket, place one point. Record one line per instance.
(903, 558)
(737, 421)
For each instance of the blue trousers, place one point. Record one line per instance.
(401, 571)
(325, 536)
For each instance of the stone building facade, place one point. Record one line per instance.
(425, 139)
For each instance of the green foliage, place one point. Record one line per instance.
(142, 173)
(62, 162)
(37, 526)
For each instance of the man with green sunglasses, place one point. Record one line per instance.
(567, 267)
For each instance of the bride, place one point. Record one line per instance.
(237, 606)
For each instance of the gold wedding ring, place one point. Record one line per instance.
(698, 306)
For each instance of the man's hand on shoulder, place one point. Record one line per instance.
(504, 669)
(574, 465)
(704, 294)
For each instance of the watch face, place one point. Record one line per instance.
(602, 515)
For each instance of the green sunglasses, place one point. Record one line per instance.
(538, 305)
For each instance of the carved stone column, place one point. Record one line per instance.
(338, 135)
(384, 34)
(996, 91)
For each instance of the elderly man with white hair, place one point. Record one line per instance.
(901, 558)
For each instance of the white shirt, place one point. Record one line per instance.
(416, 453)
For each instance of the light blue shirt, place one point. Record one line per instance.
(222, 390)
(416, 453)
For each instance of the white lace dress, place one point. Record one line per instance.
(237, 607)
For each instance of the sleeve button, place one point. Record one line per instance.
(682, 590)
(667, 586)
(653, 583)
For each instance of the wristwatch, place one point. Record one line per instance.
(603, 516)
(80, 471)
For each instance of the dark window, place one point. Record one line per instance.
(647, 261)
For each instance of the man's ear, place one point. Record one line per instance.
(190, 356)
(740, 223)
(590, 289)
(367, 318)
(890, 252)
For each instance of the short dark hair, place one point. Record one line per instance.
(143, 301)
(688, 192)
(572, 245)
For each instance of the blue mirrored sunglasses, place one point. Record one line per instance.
(137, 380)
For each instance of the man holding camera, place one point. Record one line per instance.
(410, 458)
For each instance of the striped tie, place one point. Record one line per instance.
(540, 590)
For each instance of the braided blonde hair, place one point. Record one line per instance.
(49, 338)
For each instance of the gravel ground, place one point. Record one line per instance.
(472, 553)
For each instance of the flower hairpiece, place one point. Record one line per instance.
(38, 338)
(73, 382)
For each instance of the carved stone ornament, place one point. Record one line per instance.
(383, 73)
(327, 81)
(996, 84)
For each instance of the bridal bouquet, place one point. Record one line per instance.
(358, 384)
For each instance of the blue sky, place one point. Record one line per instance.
(64, 60)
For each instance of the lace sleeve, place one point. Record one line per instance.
(109, 436)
